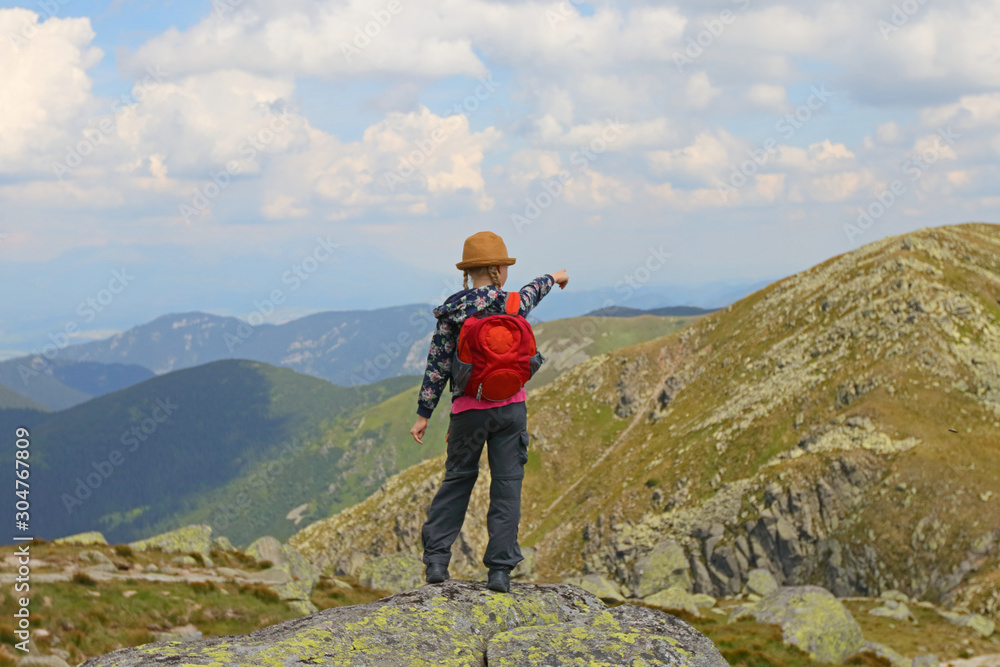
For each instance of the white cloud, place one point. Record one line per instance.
(337, 39)
(404, 161)
(768, 96)
(699, 90)
(281, 207)
(836, 187)
(564, 76)
(826, 151)
(888, 132)
(212, 119)
(971, 111)
(45, 85)
(707, 157)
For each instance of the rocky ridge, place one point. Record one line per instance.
(452, 624)
(837, 428)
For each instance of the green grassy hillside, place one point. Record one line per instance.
(11, 400)
(571, 341)
(140, 460)
(839, 427)
(28, 379)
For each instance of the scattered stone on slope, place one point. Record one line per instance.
(893, 594)
(196, 537)
(291, 576)
(812, 619)
(666, 566)
(848, 437)
(96, 560)
(704, 601)
(625, 635)
(42, 661)
(450, 624)
(182, 633)
(187, 561)
(760, 582)
(982, 625)
(674, 598)
(895, 610)
(84, 539)
(883, 651)
(222, 543)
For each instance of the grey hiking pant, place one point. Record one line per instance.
(504, 429)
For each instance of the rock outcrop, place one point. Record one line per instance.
(90, 537)
(810, 618)
(453, 624)
(291, 575)
(196, 538)
(625, 635)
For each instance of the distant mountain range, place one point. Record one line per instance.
(232, 442)
(245, 446)
(343, 347)
(713, 295)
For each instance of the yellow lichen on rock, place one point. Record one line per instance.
(454, 624)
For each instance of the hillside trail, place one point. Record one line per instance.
(668, 365)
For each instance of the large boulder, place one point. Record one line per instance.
(812, 619)
(183, 540)
(674, 598)
(666, 566)
(457, 623)
(625, 635)
(760, 582)
(290, 575)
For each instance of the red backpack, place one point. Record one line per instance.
(496, 354)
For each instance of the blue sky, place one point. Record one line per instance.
(584, 134)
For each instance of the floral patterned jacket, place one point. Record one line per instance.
(450, 316)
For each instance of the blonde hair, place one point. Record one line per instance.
(478, 272)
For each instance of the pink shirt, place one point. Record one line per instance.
(463, 403)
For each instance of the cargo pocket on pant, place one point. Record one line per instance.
(522, 448)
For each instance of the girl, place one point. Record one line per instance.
(501, 424)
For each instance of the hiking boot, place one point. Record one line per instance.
(436, 573)
(499, 581)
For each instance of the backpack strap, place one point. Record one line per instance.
(513, 303)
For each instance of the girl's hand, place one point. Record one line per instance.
(419, 429)
(561, 278)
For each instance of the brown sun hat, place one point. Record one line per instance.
(484, 249)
